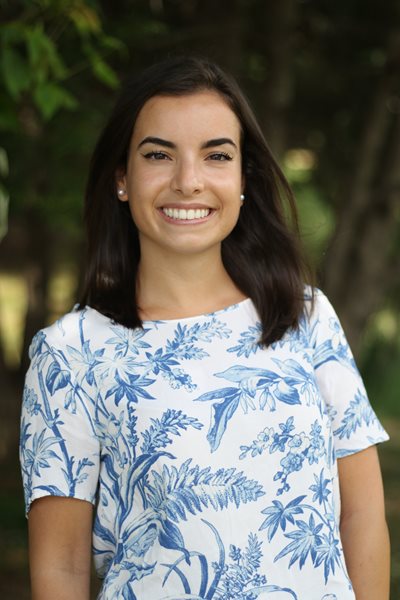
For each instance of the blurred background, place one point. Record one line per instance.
(324, 79)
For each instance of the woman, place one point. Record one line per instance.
(201, 398)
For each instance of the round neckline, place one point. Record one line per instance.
(211, 314)
(214, 313)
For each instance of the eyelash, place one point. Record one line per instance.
(158, 155)
(221, 156)
(155, 155)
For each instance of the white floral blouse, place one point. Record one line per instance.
(210, 460)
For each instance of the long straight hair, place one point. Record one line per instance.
(262, 254)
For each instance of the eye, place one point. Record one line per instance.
(222, 156)
(156, 155)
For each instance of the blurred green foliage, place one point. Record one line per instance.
(62, 60)
(44, 45)
(311, 74)
(33, 63)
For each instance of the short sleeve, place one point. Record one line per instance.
(355, 425)
(59, 450)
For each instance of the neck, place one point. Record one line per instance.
(177, 286)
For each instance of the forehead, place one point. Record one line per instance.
(202, 114)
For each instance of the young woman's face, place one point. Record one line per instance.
(183, 180)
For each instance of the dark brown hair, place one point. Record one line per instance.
(262, 254)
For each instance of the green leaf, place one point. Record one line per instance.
(104, 72)
(50, 97)
(100, 68)
(112, 43)
(85, 19)
(34, 38)
(43, 55)
(16, 73)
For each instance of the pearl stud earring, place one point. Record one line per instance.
(242, 197)
(121, 192)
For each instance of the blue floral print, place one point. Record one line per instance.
(249, 342)
(358, 413)
(211, 461)
(297, 448)
(315, 539)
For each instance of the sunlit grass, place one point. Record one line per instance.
(380, 359)
(385, 324)
(316, 217)
(61, 293)
(13, 307)
(316, 221)
(13, 303)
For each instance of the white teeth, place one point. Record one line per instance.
(186, 215)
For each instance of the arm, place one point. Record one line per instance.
(60, 548)
(363, 526)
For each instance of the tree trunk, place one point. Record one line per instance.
(358, 271)
(219, 27)
(277, 45)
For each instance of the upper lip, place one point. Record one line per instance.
(194, 206)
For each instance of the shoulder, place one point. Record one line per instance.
(317, 305)
(321, 320)
(64, 332)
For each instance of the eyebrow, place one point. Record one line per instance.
(158, 141)
(218, 142)
(167, 144)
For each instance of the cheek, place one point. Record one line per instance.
(139, 211)
(142, 190)
(231, 182)
(231, 212)
(147, 174)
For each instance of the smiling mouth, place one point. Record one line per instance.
(182, 214)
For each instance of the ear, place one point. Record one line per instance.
(121, 184)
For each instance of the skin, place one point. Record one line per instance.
(181, 263)
(363, 525)
(60, 531)
(195, 164)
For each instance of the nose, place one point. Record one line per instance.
(187, 179)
